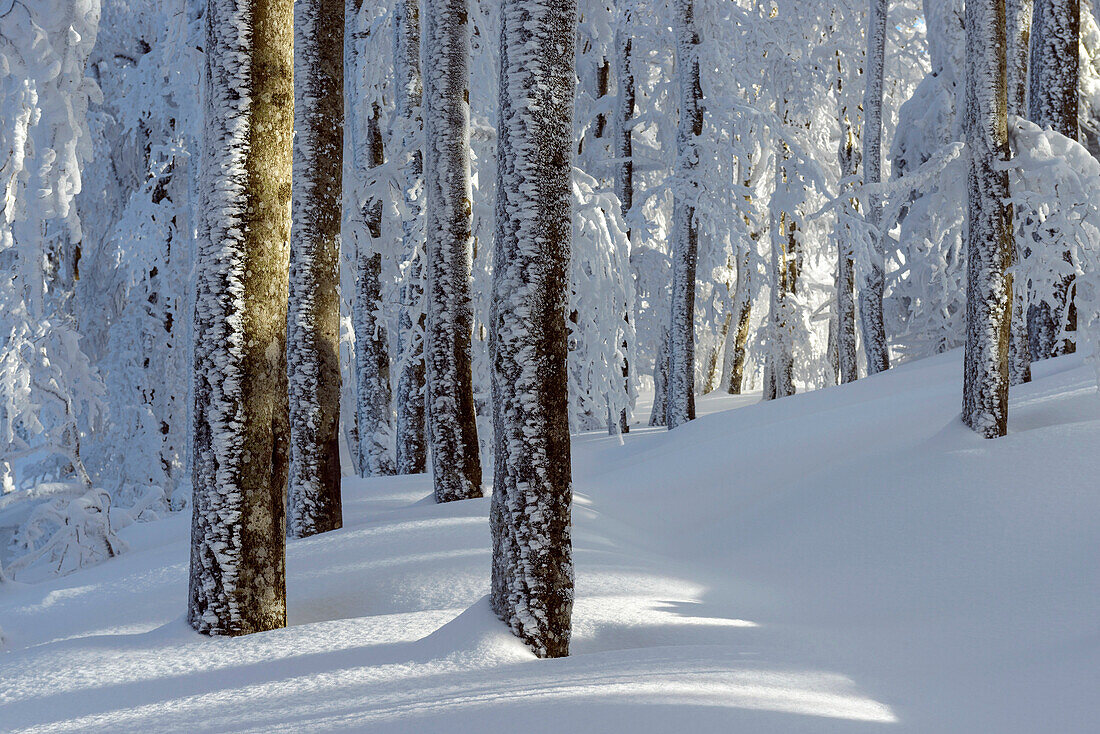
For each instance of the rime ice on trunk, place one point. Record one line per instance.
(313, 323)
(240, 422)
(1052, 102)
(784, 267)
(623, 145)
(532, 586)
(412, 447)
(1018, 36)
(685, 230)
(372, 358)
(660, 382)
(456, 462)
(624, 111)
(870, 292)
(848, 157)
(990, 246)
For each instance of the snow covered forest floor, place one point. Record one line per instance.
(851, 559)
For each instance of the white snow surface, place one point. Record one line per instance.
(852, 559)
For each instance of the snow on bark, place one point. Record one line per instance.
(685, 230)
(1018, 37)
(532, 585)
(456, 463)
(783, 279)
(1052, 102)
(412, 447)
(366, 60)
(240, 415)
(659, 413)
(313, 323)
(848, 156)
(624, 111)
(990, 245)
(871, 289)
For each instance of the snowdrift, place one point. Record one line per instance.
(852, 559)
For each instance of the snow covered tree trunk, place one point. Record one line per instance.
(990, 246)
(623, 145)
(372, 359)
(532, 586)
(313, 323)
(870, 292)
(685, 230)
(412, 447)
(849, 158)
(624, 112)
(240, 417)
(1052, 102)
(737, 340)
(779, 367)
(1018, 35)
(456, 461)
(660, 381)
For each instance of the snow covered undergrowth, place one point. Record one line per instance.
(852, 559)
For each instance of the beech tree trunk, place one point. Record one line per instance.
(660, 381)
(685, 230)
(532, 585)
(1018, 36)
(456, 462)
(990, 245)
(240, 417)
(785, 261)
(849, 159)
(1052, 102)
(313, 324)
(871, 290)
(372, 357)
(412, 447)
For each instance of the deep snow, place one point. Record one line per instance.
(852, 559)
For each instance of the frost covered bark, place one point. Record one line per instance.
(372, 357)
(848, 156)
(240, 421)
(412, 447)
(456, 463)
(990, 246)
(624, 111)
(658, 415)
(363, 210)
(783, 281)
(1052, 102)
(871, 289)
(1018, 37)
(532, 585)
(313, 323)
(685, 230)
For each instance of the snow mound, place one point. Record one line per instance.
(846, 560)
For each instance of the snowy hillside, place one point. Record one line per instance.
(852, 559)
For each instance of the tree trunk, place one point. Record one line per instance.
(240, 417)
(685, 230)
(624, 141)
(779, 371)
(1052, 102)
(313, 325)
(456, 462)
(849, 158)
(532, 586)
(990, 246)
(659, 412)
(871, 290)
(372, 358)
(1018, 36)
(412, 448)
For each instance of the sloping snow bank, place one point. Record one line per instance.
(847, 560)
